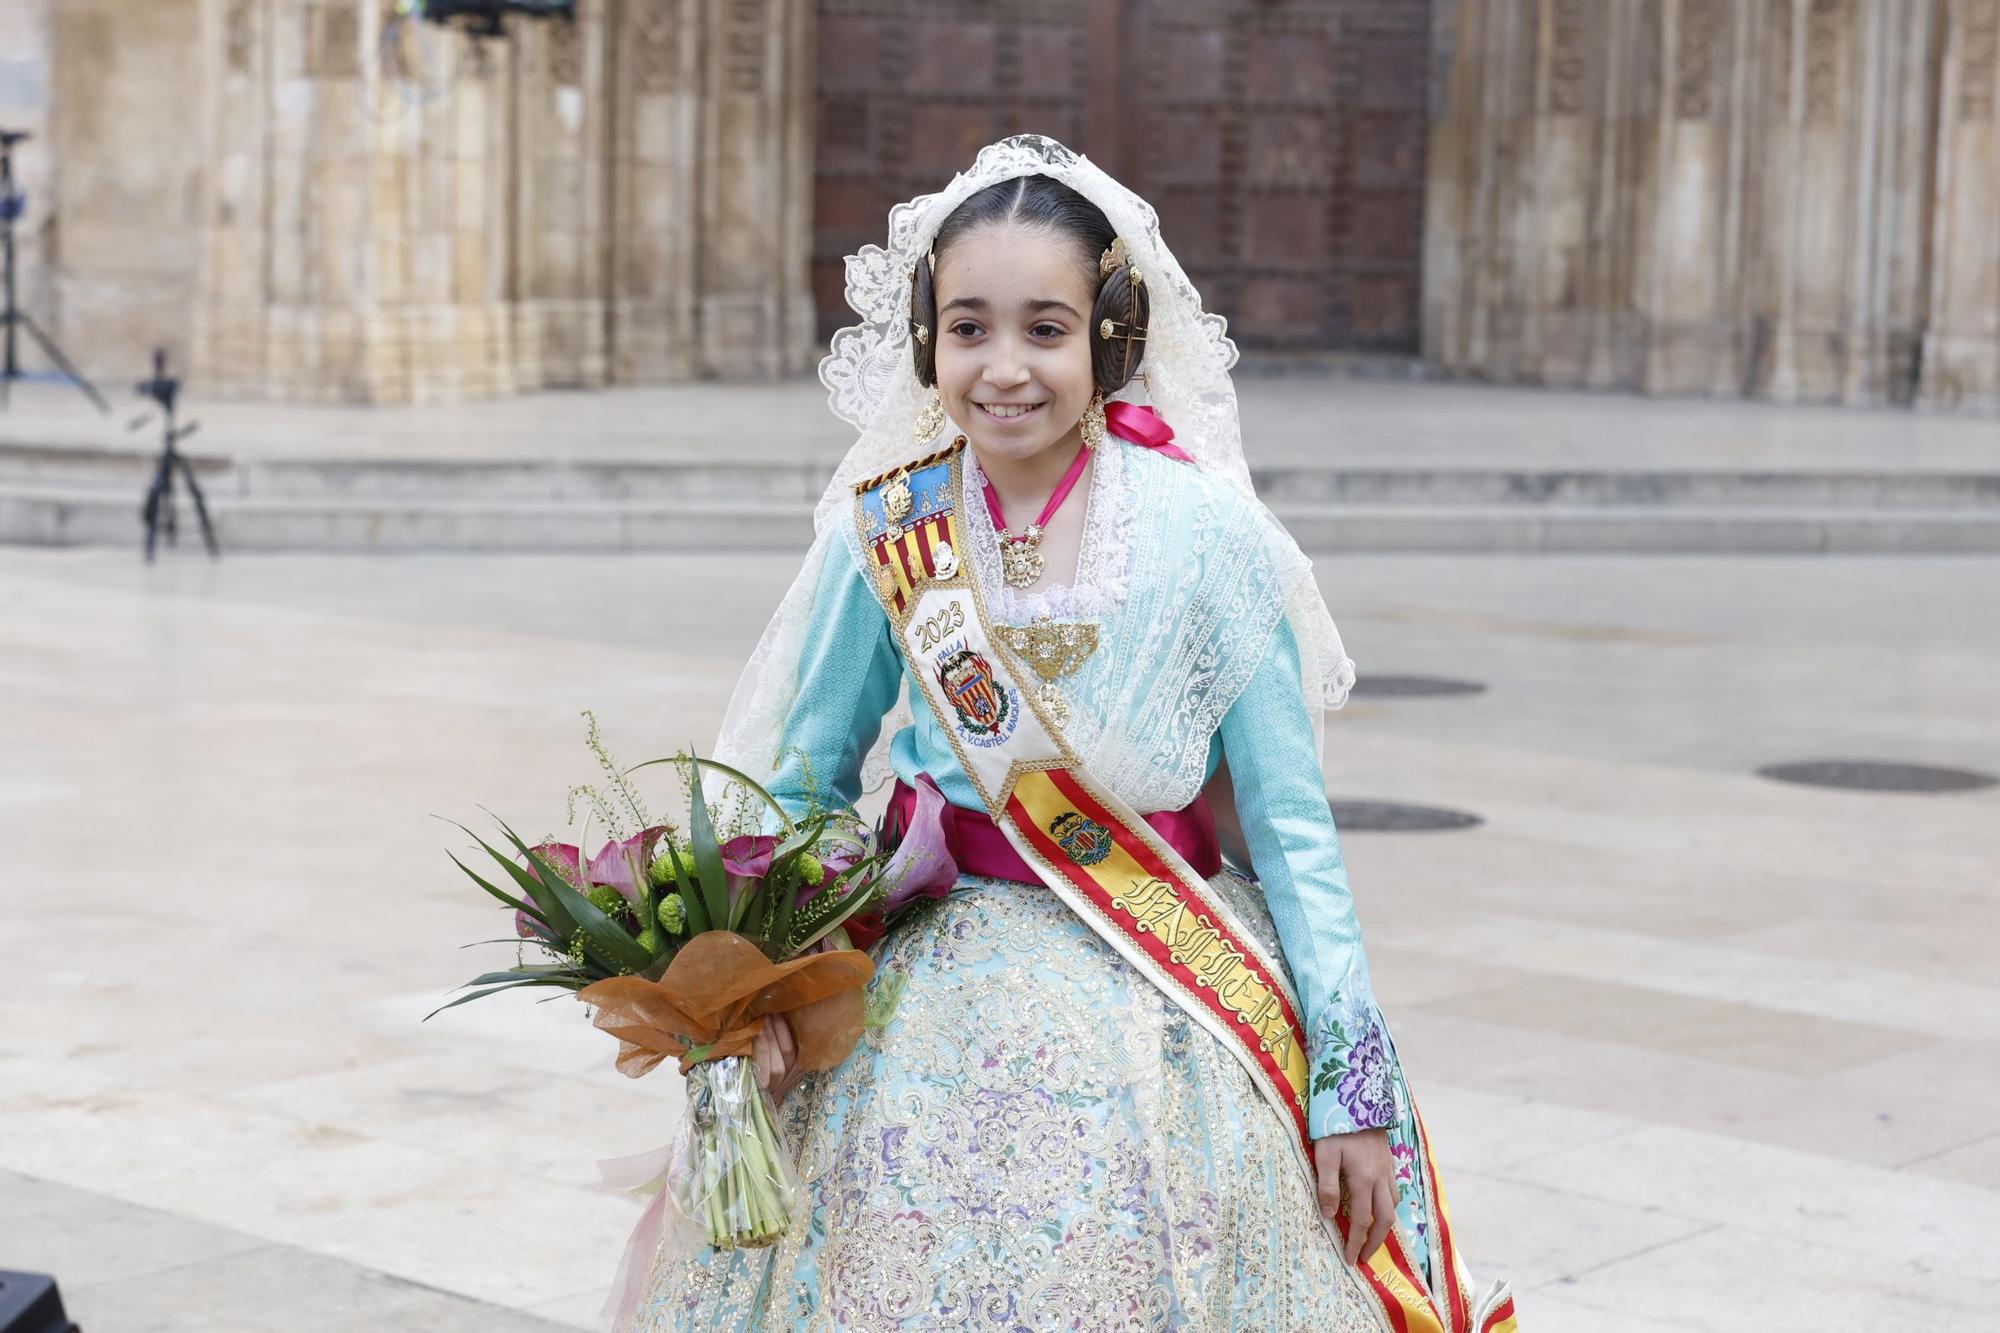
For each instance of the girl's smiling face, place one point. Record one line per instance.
(1013, 355)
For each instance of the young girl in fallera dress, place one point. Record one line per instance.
(1045, 1125)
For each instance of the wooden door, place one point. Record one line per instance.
(1282, 141)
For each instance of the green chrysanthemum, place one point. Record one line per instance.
(661, 872)
(673, 914)
(649, 940)
(810, 869)
(606, 900)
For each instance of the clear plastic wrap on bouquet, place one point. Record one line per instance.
(724, 1181)
(729, 1171)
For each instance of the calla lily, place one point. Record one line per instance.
(838, 853)
(621, 863)
(566, 860)
(922, 865)
(749, 855)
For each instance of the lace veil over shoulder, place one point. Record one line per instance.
(872, 384)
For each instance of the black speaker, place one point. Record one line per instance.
(483, 16)
(29, 1303)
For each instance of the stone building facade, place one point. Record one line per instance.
(400, 213)
(312, 201)
(1787, 199)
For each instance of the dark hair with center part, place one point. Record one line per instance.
(1043, 201)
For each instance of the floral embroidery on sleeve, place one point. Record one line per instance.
(1353, 1085)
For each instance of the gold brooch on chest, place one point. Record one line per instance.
(1054, 648)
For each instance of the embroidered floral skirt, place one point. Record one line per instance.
(1029, 1136)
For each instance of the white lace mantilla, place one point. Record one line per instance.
(871, 383)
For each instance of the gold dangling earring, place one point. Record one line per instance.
(1093, 421)
(931, 420)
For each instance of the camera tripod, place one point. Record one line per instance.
(13, 203)
(158, 510)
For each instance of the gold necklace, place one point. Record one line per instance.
(1021, 557)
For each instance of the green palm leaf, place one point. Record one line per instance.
(505, 897)
(708, 867)
(482, 994)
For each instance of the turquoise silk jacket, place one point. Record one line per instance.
(851, 674)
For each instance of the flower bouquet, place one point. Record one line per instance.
(683, 943)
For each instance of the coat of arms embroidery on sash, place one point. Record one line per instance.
(1086, 840)
(985, 707)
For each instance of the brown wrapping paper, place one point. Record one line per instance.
(718, 990)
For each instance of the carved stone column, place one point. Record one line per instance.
(656, 70)
(355, 250)
(1532, 177)
(1788, 198)
(1848, 93)
(233, 310)
(441, 318)
(561, 200)
(1961, 359)
(1693, 326)
(756, 304)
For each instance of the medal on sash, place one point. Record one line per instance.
(1100, 857)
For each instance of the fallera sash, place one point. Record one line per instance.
(1103, 860)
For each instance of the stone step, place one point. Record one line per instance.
(92, 465)
(1647, 488)
(55, 515)
(414, 480)
(1731, 529)
(407, 481)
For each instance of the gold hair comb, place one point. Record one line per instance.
(1113, 259)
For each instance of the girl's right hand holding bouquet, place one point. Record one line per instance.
(777, 1057)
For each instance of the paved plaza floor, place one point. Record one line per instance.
(1700, 1051)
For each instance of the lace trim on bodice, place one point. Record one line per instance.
(1104, 558)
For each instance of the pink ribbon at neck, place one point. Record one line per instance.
(1143, 427)
(1063, 488)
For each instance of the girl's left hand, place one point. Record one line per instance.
(1361, 1162)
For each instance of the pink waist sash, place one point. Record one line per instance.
(980, 848)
